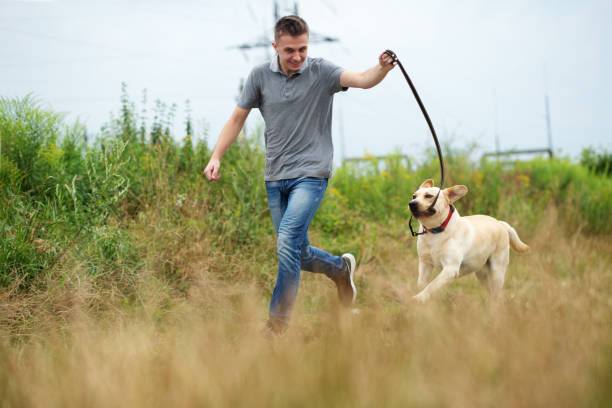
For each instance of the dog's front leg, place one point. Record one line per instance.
(448, 274)
(425, 269)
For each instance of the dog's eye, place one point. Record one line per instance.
(428, 196)
(413, 196)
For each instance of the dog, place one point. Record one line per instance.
(459, 245)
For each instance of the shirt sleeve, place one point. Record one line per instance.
(251, 95)
(332, 72)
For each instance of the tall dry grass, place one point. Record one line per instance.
(548, 343)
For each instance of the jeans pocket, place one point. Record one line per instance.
(321, 182)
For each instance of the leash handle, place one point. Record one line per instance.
(427, 119)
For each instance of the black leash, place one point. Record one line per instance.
(433, 133)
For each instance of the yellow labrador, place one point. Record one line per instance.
(459, 245)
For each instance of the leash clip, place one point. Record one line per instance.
(414, 234)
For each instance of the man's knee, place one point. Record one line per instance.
(287, 247)
(305, 256)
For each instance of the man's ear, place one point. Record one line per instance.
(456, 192)
(427, 183)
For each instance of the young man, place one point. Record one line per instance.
(294, 94)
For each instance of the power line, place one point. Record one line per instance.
(130, 52)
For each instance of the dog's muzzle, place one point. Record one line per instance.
(414, 209)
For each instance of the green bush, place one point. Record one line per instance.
(520, 190)
(597, 160)
(61, 197)
(585, 197)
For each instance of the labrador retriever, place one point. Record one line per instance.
(459, 245)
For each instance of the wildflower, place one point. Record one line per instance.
(523, 180)
(385, 174)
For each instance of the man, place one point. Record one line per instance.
(294, 94)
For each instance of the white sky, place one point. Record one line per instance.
(480, 66)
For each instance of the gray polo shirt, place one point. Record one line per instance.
(297, 112)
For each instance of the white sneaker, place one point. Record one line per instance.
(347, 292)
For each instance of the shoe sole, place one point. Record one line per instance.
(352, 267)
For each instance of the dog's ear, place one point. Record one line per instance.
(427, 183)
(456, 192)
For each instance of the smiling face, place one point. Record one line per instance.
(292, 52)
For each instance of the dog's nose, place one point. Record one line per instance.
(414, 205)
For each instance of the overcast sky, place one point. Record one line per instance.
(481, 67)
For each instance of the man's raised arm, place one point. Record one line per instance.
(226, 138)
(371, 77)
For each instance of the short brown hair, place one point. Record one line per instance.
(292, 25)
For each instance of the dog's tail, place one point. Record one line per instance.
(515, 241)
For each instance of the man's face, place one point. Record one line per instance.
(291, 52)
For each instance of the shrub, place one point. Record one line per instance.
(61, 197)
(599, 161)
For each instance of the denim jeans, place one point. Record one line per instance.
(293, 204)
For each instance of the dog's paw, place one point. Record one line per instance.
(421, 298)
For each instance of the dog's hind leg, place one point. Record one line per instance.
(483, 276)
(498, 263)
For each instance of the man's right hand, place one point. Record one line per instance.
(226, 138)
(212, 170)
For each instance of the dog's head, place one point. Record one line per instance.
(426, 194)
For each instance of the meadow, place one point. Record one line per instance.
(127, 279)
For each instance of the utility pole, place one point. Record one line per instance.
(498, 153)
(495, 126)
(547, 113)
(266, 40)
(548, 127)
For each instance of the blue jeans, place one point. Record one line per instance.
(293, 204)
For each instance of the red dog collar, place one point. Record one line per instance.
(442, 227)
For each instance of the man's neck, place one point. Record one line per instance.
(286, 70)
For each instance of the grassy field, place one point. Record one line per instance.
(128, 280)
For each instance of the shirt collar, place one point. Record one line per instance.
(275, 66)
